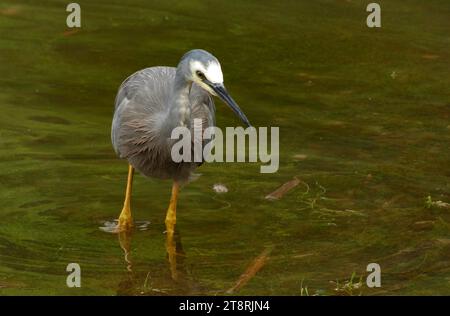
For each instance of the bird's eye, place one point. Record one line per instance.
(200, 74)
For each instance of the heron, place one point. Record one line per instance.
(149, 105)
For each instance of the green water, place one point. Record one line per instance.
(364, 117)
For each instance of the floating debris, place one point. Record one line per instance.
(71, 32)
(430, 56)
(442, 241)
(281, 191)
(303, 255)
(423, 225)
(220, 188)
(10, 11)
(252, 269)
(439, 204)
(300, 156)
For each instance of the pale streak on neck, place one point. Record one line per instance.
(180, 105)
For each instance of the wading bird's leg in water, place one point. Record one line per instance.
(125, 218)
(171, 216)
(171, 249)
(171, 219)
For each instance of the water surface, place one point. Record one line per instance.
(364, 119)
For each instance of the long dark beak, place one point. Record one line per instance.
(226, 97)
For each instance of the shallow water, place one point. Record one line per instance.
(364, 124)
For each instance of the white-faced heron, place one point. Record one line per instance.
(149, 105)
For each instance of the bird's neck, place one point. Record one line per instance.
(179, 104)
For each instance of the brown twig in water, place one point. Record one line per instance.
(285, 188)
(252, 269)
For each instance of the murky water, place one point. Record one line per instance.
(364, 117)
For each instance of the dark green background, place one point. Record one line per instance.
(364, 122)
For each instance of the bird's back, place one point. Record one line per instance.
(141, 111)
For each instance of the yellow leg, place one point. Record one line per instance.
(125, 218)
(171, 216)
(172, 254)
(171, 219)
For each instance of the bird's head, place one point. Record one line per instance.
(204, 69)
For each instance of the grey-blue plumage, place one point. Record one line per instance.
(143, 122)
(150, 104)
(153, 101)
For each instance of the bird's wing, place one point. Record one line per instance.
(140, 108)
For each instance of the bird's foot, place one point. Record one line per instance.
(123, 224)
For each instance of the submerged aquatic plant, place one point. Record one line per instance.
(349, 287)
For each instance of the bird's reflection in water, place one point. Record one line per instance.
(175, 254)
(157, 279)
(125, 244)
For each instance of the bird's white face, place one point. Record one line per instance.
(208, 75)
(210, 72)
